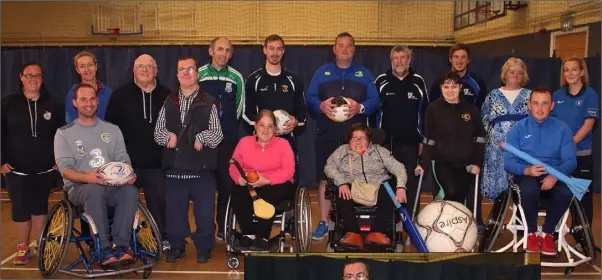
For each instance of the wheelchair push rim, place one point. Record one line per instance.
(303, 221)
(55, 238)
(495, 222)
(581, 231)
(148, 236)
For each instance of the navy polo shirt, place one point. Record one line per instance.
(574, 110)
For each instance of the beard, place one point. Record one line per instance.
(401, 70)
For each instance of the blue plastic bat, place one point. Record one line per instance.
(408, 224)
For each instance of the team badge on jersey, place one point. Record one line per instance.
(466, 117)
(47, 115)
(228, 87)
(467, 92)
(579, 102)
(106, 137)
(284, 88)
(359, 74)
(79, 148)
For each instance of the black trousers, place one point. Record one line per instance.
(223, 180)
(455, 182)
(408, 156)
(242, 203)
(584, 170)
(384, 213)
(152, 181)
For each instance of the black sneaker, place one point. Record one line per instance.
(203, 256)
(260, 244)
(175, 254)
(243, 243)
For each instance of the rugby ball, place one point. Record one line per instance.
(282, 119)
(339, 111)
(116, 174)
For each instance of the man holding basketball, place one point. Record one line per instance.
(80, 148)
(342, 77)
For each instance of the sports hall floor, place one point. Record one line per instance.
(217, 269)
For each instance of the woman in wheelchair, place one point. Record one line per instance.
(356, 165)
(272, 157)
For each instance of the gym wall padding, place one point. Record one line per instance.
(115, 69)
(324, 268)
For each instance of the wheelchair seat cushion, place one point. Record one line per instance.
(363, 209)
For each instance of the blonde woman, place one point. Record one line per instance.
(502, 108)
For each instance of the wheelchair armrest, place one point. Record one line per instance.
(331, 191)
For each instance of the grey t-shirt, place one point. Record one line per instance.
(84, 148)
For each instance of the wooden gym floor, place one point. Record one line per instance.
(217, 269)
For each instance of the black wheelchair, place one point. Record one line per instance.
(579, 229)
(293, 218)
(59, 231)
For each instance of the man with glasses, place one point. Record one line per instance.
(356, 270)
(189, 128)
(134, 107)
(226, 85)
(86, 67)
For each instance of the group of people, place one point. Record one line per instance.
(180, 142)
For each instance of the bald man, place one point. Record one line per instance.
(134, 107)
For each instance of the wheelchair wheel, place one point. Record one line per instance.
(148, 235)
(229, 224)
(55, 238)
(302, 218)
(495, 222)
(581, 231)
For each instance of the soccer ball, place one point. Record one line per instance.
(282, 119)
(116, 174)
(447, 226)
(339, 112)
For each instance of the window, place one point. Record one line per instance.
(469, 13)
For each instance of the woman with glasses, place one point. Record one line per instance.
(362, 161)
(272, 158)
(30, 118)
(86, 67)
(454, 142)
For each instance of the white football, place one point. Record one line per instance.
(116, 173)
(282, 118)
(339, 111)
(447, 226)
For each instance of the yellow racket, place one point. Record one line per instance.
(261, 208)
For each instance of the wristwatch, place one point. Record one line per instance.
(362, 108)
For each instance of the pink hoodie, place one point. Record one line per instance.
(275, 161)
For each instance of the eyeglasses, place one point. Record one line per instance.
(186, 70)
(32, 76)
(359, 276)
(145, 67)
(359, 139)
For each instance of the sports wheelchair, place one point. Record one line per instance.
(59, 230)
(579, 229)
(293, 218)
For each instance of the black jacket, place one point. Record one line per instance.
(136, 114)
(28, 129)
(282, 92)
(474, 89)
(184, 159)
(403, 103)
(454, 134)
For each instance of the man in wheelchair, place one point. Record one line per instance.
(82, 146)
(551, 141)
(358, 169)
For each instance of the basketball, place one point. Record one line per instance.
(252, 176)
(339, 113)
(282, 119)
(447, 226)
(116, 173)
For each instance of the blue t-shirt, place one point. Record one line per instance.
(575, 109)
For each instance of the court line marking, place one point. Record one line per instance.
(9, 258)
(154, 271)
(573, 273)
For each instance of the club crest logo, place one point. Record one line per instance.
(47, 115)
(228, 88)
(579, 103)
(466, 117)
(106, 137)
(284, 88)
(79, 148)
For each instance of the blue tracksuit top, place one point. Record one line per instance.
(104, 94)
(354, 82)
(575, 109)
(550, 141)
